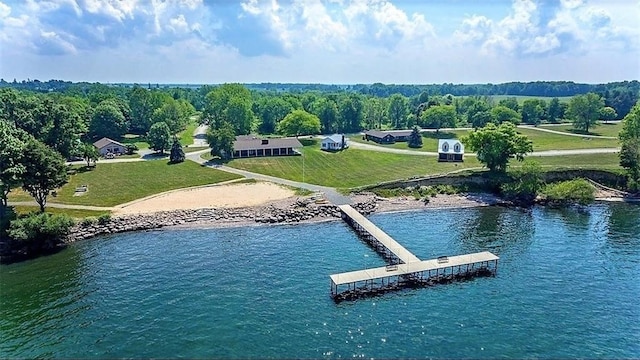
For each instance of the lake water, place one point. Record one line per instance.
(567, 286)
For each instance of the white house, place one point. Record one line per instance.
(334, 142)
(107, 146)
(450, 150)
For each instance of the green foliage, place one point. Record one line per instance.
(45, 170)
(480, 119)
(11, 152)
(7, 214)
(533, 111)
(398, 110)
(510, 102)
(440, 116)
(585, 110)
(419, 192)
(525, 183)
(327, 111)
(89, 153)
(40, 230)
(556, 110)
(630, 151)
(107, 121)
(143, 104)
(104, 219)
(221, 140)
(608, 113)
(89, 221)
(177, 154)
(578, 191)
(502, 114)
(271, 110)
(415, 140)
(174, 113)
(495, 145)
(158, 137)
(299, 122)
(131, 149)
(229, 103)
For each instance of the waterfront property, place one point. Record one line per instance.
(246, 146)
(335, 142)
(107, 146)
(451, 150)
(404, 269)
(387, 137)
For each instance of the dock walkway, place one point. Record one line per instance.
(405, 268)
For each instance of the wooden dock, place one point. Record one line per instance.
(405, 269)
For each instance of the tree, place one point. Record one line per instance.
(533, 111)
(608, 113)
(107, 121)
(45, 171)
(525, 183)
(398, 111)
(219, 108)
(173, 114)
(299, 122)
(510, 102)
(271, 110)
(11, 163)
(177, 154)
(501, 114)
(556, 111)
(221, 140)
(327, 111)
(90, 153)
(480, 119)
(351, 113)
(439, 116)
(142, 103)
(630, 151)
(495, 145)
(159, 136)
(415, 139)
(584, 110)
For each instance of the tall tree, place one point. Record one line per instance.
(398, 111)
(221, 140)
(159, 136)
(608, 113)
(219, 101)
(270, 111)
(584, 110)
(177, 154)
(510, 102)
(45, 171)
(299, 122)
(107, 121)
(89, 153)
(501, 114)
(327, 111)
(533, 111)
(12, 144)
(142, 103)
(415, 139)
(630, 151)
(440, 116)
(555, 112)
(495, 145)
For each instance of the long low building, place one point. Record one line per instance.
(246, 146)
(387, 137)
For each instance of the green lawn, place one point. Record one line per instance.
(117, 183)
(350, 168)
(137, 140)
(74, 213)
(604, 129)
(548, 141)
(429, 140)
(186, 136)
(586, 161)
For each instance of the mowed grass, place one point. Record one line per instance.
(137, 140)
(349, 168)
(429, 140)
(584, 161)
(117, 183)
(74, 213)
(186, 136)
(603, 129)
(543, 141)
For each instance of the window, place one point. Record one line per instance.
(456, 147)
(445, 147)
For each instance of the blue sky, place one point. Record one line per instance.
(320, 41)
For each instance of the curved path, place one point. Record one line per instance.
(531, 127)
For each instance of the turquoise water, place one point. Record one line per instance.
(567, 286)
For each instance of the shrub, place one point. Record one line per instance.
(525, 183)
(104, 219)
(577, 191)
(40, 231)
(89, 221)
(131, 149)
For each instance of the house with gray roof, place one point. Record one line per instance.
(246, 146)
(107, 146)
(451, 150)
(335, 142)
(388, 136)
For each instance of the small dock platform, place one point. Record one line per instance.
(404, 269)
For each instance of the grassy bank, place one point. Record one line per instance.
(74, 213)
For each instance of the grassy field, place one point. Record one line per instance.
(186, 136)
(521, 99)
(548, 141)
(137, 140)
(604, 129)
(542, 140)
(117, 183)
(350, 168)
(74, 213)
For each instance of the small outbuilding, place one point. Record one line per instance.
(451, 150)
(107, 146)
(335, 142)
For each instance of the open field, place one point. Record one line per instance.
(585, 161)
(604, 129)
(117, 183)
(349, 168)
(521, 99)
(74, 213)
(186, 136)
(542, 140)
(137, 140)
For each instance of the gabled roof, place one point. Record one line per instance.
(245, 143)
(449, 146)
(380, 134)
(335, 138)
(106, 141)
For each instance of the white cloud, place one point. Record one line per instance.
(5, 10)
